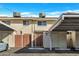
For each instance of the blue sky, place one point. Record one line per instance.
(33, 9)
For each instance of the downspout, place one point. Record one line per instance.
(21, 38)
(32, 35)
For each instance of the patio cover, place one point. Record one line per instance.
(66, 22)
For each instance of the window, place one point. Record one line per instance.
(42, 23)
(7, 22)
(68, 32)
(25, 22)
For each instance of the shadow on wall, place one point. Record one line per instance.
(4, 35)
(39, 43)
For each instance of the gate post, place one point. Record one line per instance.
(49, 33)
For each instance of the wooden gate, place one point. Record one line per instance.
(26, 40)
(38, 41)
(22, 40)
(18, 41)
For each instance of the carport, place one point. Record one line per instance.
(5, 32)
(64, 33)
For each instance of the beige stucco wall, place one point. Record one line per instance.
(20, 27)
(77, 39)
(12, 39)
(74, 38)
(32, 26)
(44, 28)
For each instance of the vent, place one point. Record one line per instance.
(16, 14)
(41, 15)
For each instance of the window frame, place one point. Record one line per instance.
(26, 24)
(42, 23)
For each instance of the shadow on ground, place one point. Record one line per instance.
(25, 50)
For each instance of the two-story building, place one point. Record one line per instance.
(22, 32)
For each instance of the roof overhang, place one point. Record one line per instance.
(5, 27)
(59, 22)
(28, 18)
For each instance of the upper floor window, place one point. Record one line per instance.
(7, 22)
(25, 22)
(42, 23)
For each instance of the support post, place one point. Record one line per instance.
(21, 38)
(32, 40)
(50, 40)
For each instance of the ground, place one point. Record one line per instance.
(11, 52)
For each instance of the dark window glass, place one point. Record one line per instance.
(25, 22)
(42, 23)
(39, 23)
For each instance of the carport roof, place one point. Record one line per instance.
(5, 27)
(67, 22)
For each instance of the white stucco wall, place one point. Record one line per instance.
(46, 40)
(58, 40)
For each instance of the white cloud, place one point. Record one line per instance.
(31, 14)
(54, 13)
(25, 13)
(52, 16)
(72, 11)
(48, 14)
(5, 15)
(58, 13)
(28, 14)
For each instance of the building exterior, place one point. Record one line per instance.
(27, 32)
(41, 32)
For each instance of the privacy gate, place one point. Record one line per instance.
(22, 40)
